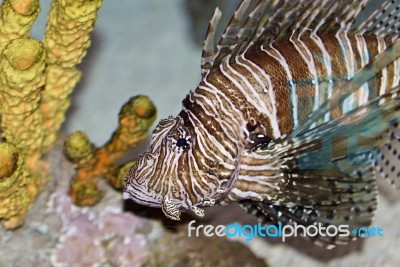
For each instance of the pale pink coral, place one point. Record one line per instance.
(130, 252)
(94, 239)
(79, 245)
(114, 222)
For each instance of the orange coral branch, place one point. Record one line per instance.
(135, 117)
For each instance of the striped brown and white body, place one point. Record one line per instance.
(313, 68)
(235, 139)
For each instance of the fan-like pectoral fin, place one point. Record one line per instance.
(171, 210)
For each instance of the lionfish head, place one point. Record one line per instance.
(161, 177)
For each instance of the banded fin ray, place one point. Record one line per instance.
(238, 32)
(228, 40)
(382, 23)
(340, 189)
(273, 20)
(209, 51)
(354, 208)
(338, 196)
(364, 75)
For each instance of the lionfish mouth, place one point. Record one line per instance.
(140, 195)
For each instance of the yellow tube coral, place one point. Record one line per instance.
(10, 164)
(17, 189)
(34, 89)
(70, 23)
(21, 67)
(16, 19)
(135, 118)
(21, 79)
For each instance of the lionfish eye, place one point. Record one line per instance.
(181, 142)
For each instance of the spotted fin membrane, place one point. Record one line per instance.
(387, 162)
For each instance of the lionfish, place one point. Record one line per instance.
(296, 114)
